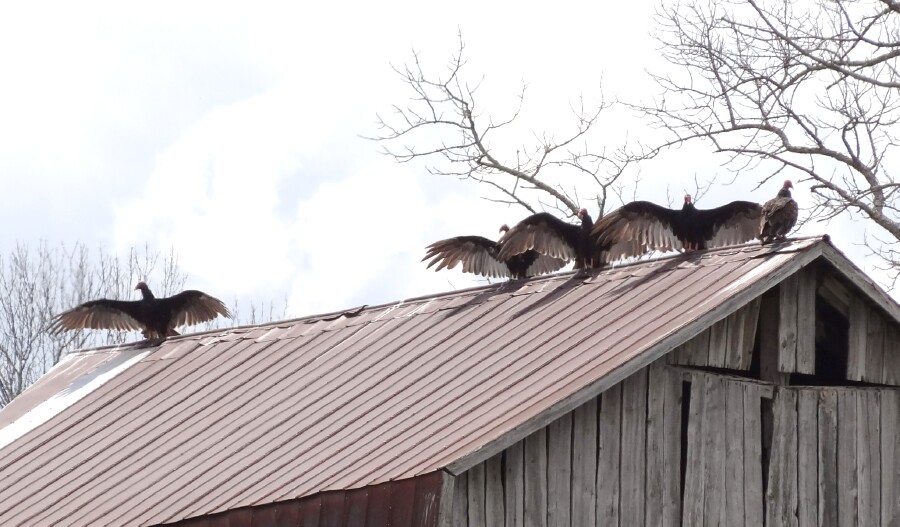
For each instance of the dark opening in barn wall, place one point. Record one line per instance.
(685, 413)
(832, 329)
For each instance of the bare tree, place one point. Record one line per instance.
(809, 88)
(443, 124)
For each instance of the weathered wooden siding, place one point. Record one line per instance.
(874, 345)
(835, 458)
(797, 322)
(615, 461)
(729, 343)
(726, 344)
(723, 478)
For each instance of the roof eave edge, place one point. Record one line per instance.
(664, 346)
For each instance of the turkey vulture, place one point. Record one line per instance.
(652, 227)
(481, 256)
(779, 215)
(155, 317)
(548, 235)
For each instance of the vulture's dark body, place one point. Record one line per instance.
(779, 216)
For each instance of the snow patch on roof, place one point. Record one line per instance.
(79, 387)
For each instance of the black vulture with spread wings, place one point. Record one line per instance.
(154, 317)
(779, 215)
(482, 256)
(653, 227)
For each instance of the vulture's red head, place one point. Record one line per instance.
(688, 200)
(582, 212)
(145, 291)
(787, 184)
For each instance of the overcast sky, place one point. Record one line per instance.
(232, 134)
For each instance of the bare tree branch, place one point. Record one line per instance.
(808, 88)
(443, 125)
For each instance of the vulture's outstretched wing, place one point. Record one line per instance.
(478, 255)
(652, 227)
(543, 233)
(535, 263)
(731, 224)
(647, 226)
(121, 315)
(192, 307)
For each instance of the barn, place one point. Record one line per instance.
(741, 386)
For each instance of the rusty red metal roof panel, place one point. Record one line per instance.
(313, 408)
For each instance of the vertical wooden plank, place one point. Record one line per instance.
(806, 321)
(846, 455)
(559, 472)
(584, 464)
(696, 350)
(700, 348)
(868, 452)
(311, 512)
(741, 335)
(672, 431)
(475, 494)
(856, 352)
(609, 457)
(445, 506)
(514, 489)
(890, 457)
(753, 483)
(692, 513)
(781, 496)
(827, 458)
(536, 479)
(714, 449)
(807, 458)
(768, 338)
(681, 355)
(634, 433)
(493, 491)
(748, 338)
(734, 454)
(787, 323)
(874, 346)
(891, 364)
(657, 386)
(718, 343)
(460, 501)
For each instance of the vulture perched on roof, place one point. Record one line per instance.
(548, 235)
(779, 215)
(482, 256)
(653, 227)
(155, 317)
(551, 236)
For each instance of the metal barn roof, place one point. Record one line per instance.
(246, 417)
